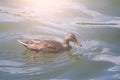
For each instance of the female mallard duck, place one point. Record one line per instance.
(50, 46)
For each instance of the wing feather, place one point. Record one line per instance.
(48, 46)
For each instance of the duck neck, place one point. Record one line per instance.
(67, 45)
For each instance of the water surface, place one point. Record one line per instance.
(100, 36)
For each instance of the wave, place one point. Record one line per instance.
(108, 58)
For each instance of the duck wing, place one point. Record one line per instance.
(47, 46)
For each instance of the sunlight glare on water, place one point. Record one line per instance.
(46, 7)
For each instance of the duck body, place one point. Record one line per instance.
(49, 46)
(45, 45)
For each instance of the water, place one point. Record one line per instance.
(95, 23)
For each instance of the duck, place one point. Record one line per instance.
(49, 45)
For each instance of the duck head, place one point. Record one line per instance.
(69, 37)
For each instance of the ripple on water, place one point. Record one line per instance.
(116, 76)
(90, 47)
(10, 63)
(114, 69)
(11, 66)
(108, 58)
(49, 63)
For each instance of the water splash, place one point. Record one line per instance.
(88, 46)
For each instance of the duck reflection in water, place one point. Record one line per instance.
(49, 46)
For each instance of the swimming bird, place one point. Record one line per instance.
(49, 45)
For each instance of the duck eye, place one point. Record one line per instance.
(72, 36)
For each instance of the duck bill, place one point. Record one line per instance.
(77, 43)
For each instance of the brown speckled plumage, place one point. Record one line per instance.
(50, 46)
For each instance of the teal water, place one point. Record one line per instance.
(98, 30)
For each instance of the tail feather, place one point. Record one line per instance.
(23, 42)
